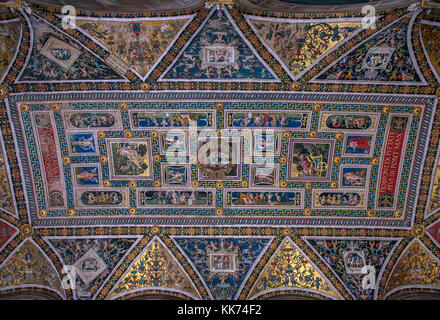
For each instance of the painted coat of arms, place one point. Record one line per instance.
(309, 160)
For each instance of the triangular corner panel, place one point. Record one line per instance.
(223, 263)
(28, 266)
(10, 33)
(430, 32)
(348, 258)
(218, 51)
(433, 203)
(93, 258)
(416, 267)
(55, 57)
(434, 232)
(300, 44)
(155, 268)
(139, 43)
(6, 194)
(290, 269)
(7, 231)
(384, 58)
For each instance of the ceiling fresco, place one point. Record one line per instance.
(220, 153)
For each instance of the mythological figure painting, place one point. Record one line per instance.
(354, 176)
(175, 198)
(131, 159)
(83, 143)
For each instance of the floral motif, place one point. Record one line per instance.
(28, 266)
(138, 43)
(417, 266)
(299, 45)
(155, 267)
(289, 268)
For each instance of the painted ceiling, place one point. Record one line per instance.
(220, 152)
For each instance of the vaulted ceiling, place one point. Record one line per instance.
(214, 151)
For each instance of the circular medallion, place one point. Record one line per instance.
(398, 213)
(294, 86)
(193, 133)
(42, 213)
(219, 185)
(417, 111)
(156, 158)
(283, 160)
(101, 134)
(155, 230)
(307, 212)
(371, 213)
(316, 107)
(286, 134)
(220, 106)
(246, 133)
(106, 183)
(145, 86)
(156, 183)
(132, 184)
(70, 212)
(103, 159)
(4, 92)
(24, 107)
(132, 211)
(418, 231)
(154, 134)
(128, 134)
(123, 106)
(219, 212)
(386, 109)
(194, 184)
(193, 159)
(244, 184)
(313, 134)
(339, 136)
(26, 231)
(55, 107)
(283, 184)
(308, 186)
(66, 160)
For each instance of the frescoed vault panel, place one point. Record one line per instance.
(147, 159)
(385, 57)
(10, 33)
(55, 56)
(219, 152)
(218, 51)
(430, 34)
(139, 43)
(347, 257)
(300, 43)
